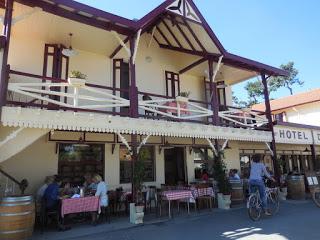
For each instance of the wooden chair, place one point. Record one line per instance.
(45, 214)
(204, 198)
(152, 192)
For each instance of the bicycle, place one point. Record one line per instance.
(254, 203)
(316, 196)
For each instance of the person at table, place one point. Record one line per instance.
(233, 175)
(52, 198)
(66, 189)
(88, 184)
(102, 190)
(204, 175)
(48, 180)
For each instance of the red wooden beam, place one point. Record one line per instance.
(115, 52)
(192, 65)
(194, 36)
(185, 36)
(170, 31)
(163, 36)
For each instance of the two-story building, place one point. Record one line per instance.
(138, 75)
(297, 129)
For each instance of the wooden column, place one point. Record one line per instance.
(134, 110)
(314, 158)
(270, 126)
(4, 70)
(214, 95)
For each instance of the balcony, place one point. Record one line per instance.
(35, 91)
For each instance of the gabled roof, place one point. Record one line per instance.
(185, 10)
(291, 101)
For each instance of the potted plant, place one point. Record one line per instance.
(224, 186)
(183, 97)
(77, 79)
(137, 208)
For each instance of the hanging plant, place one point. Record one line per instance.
(77, 74)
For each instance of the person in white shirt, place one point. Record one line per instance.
(101, 190)
(48, 180)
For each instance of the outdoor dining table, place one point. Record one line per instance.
(79, 205)
(172, 195)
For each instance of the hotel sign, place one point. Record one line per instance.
(293, 135)
(316, 137)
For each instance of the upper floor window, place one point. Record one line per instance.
(172, 84)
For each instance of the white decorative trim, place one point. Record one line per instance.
(136, 46)
(144, 141)
(212, 147)
(121, 42)
(11, 136)
(125, 142)
(271, 151)
(224, 145)
(82, 121)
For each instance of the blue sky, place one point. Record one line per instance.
(269, 31)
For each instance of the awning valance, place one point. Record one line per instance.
(67, 120)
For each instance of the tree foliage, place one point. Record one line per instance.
(287, 82)
(255, 89)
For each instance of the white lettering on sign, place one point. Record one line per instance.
(316, 137)
(293, 135)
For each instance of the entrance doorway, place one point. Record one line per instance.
(175, 168)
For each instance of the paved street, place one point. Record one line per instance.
(296, 220)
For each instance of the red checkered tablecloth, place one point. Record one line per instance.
(177, 194)
(200, 192)
(77, 205)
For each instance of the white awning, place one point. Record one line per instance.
(81, 121)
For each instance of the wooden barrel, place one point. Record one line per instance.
(237, 195)
(296, 187)
(17, 216)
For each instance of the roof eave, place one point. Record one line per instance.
(256, 66)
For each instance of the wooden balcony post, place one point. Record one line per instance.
(213, 95)
(4, 68)
(314, 157)
(270, 126)
(134, 110)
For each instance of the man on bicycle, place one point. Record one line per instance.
(257, 172)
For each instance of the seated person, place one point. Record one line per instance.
(51, 195)
(48, 180)
(204, 175)
(88, 184)
(66, 189)
(233, 175)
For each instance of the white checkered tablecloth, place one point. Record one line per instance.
(177, 194)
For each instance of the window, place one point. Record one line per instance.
(203, 160)
(75, 160)
(126, 167)
(172, 84)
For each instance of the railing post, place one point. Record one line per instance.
(4, 70)
(270, 126)
(213, 95)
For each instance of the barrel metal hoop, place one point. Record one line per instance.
(16, 231)
(15, 214)
(15, 204)
(17, 199)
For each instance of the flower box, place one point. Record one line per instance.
(77, 82)
(182, 99)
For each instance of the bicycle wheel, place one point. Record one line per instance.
(273, 202)
(316, 197)
(254, 207)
